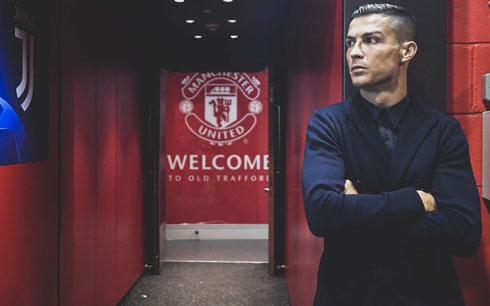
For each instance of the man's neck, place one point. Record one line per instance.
(384, 99)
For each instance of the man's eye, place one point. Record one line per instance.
(349, 43)
(371, 40)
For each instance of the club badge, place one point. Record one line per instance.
(220, 122)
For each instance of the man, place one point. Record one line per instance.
(387, 181)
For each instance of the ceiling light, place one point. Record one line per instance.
(190, 20)
(197, 36)
(232, 20)
(227, 0)
(179, 1)
(234, 36)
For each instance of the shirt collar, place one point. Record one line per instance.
(395, 112)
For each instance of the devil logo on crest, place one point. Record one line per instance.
(221, 104)
(221, 110)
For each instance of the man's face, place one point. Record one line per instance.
(373, 53)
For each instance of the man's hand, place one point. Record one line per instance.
(349, 188)
(428, 200)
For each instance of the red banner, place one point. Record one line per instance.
(217, 148)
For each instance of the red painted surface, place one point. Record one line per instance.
(468, 20)
(467, 63)
(106, 220)
(101, 160)
(223, 178)
(314, 80)
(459, 71)
(481, 66)
(29, 216)
(472, 127)
(78, 193)
(129, 210)
(468, 60)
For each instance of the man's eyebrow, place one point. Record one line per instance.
(372, 33)
(365, 34)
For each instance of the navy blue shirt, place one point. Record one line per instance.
(387, 119)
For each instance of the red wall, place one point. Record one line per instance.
(101, 157)
(311, 86)
(314, 79)
(29, 215)
(468, 59)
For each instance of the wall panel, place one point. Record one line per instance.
(101, 155)
(77, 186)
(107, 196)
(84, 191)
(126, 223)
(314, 79)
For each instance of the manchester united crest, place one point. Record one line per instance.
(221, 121)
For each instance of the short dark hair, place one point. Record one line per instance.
(404, 22)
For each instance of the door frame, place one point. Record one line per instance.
(156, 175)
(152, 174)
(271, 190)
(276, 175)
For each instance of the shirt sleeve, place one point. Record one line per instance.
(455, 227)
(323, 177)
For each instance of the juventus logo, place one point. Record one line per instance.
(21, 88)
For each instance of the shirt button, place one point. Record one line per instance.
(380, 268)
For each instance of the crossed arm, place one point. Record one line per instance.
(452, 226)
(427, 199)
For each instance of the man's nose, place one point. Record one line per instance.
(356, 51)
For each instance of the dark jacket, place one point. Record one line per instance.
(380, 246)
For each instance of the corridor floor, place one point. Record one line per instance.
(206, 284)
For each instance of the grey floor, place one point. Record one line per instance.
(211, 273)
(210, 284)
(238, 251)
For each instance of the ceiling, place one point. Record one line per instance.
(258, 26)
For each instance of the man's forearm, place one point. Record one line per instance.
(427, 199)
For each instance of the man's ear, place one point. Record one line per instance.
(408, 51)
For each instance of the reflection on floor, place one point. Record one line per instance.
(209, 284)
(238, 251)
